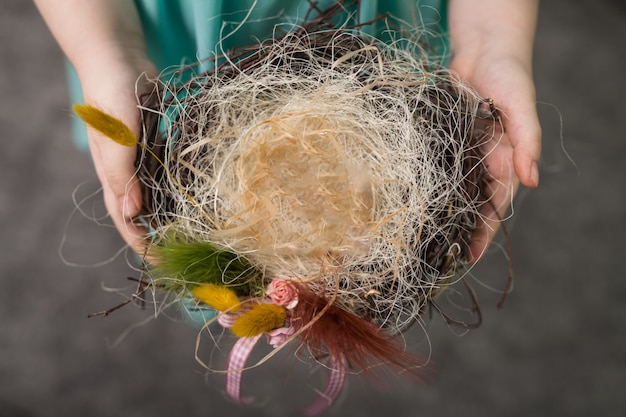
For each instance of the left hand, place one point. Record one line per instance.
(492, 43)
(511, 158)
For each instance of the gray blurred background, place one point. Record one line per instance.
(558, 348)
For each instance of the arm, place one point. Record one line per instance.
(492, 42)
(104, 42)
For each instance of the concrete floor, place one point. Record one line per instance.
(558, 348)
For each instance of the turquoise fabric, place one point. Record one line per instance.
(180, 32)
(183, 31)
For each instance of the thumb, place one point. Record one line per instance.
(525, 136)
(115, 167)
(524, 131)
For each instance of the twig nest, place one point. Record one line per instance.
(326, 158)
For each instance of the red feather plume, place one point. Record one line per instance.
(328, 329)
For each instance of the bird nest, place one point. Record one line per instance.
(314, 184)
(326, 158)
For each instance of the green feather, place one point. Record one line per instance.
(181, 261)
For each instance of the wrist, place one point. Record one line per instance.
(100, 38)
(493, 29)
(106, 59)
(115, 87)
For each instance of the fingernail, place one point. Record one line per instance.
(534, 173)
(128, 206)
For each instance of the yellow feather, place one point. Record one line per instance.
(106, 124)
(219, 297)
(260, 319)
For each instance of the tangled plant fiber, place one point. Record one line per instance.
(325, 158)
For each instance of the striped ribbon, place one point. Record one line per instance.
(242, 349)
(333, 388)
(236, 363)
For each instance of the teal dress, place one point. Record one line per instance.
(181, 32)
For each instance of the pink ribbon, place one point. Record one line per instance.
(243, 348)
(334, 386)
(236, 363)
(240, 353)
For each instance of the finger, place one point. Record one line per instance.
(527, 150)
(114, 166)
(524, 132)
(491, 216)
(132, 233)
(499, 189)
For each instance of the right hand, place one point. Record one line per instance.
(104, 41)
(115, 163)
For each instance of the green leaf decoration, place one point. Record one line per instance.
(181, 261)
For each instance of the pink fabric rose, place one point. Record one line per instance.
(283, 293)
(279, 336)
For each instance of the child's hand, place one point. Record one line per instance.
(114, 163)
(492, 44)
(104, 41)
(511, 157)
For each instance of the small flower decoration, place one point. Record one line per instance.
(280, 336)
(283, 293)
